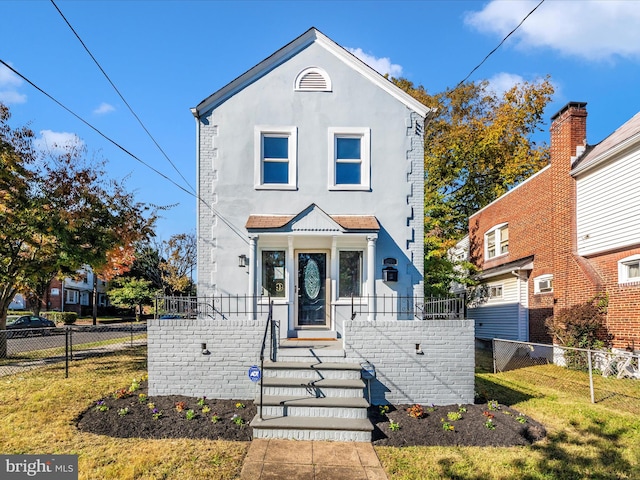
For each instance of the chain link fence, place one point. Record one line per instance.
(610, 377)
(26, 350)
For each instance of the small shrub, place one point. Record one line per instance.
(384, 409)
(123, 411)
(191, 414)
(447, 427)
(206, 409)
(416, 411)
(453, 416)
(215, 418)
(394, 426)
(489, 424)
(66, 318)
(180, 406)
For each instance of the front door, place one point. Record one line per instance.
(311, 290)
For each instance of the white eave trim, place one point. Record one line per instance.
(607, 155)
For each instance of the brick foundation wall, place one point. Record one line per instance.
(443, 375)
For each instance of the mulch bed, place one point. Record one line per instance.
(124, 415)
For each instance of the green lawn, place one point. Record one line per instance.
(597, 441)
(584, 440)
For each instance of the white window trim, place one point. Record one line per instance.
(623, 272)
(264, 299)
(292, 134)
(499, 285)
(74, 297)
(498, 241)
(539, 279)
(358, 298)
(365, 161)
(319, 71)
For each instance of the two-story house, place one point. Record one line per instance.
(75, 294)
(310, 183)
(568, 233)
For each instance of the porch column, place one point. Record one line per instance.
(371, 275)
(253, 268)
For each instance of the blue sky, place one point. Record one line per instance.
(166, 56)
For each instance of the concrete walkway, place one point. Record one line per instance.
(311, 460)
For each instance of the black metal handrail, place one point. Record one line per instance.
(269, 323)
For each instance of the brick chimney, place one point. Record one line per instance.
(568, 132)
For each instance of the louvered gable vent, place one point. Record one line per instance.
(313, 80)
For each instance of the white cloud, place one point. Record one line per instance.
(589, 29)
(104, 108)
(57, 142)
(503, 81)
(381, 65)
(9, 83)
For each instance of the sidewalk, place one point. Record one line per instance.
(311, 460)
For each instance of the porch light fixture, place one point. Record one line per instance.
(203, 347)
(419, 350)
(243, 261)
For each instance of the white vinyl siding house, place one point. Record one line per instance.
(607, 212)
(505, 316)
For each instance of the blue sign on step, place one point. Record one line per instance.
(254, 373)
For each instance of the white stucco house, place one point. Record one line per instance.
(310, 183)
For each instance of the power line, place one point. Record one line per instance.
(235, 229)
(499, 45)
(121, 96)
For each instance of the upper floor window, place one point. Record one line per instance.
(350, 281)
(349, 159)
(313, 79)
(275, 162)
(543, 284)
(496, 241)
(629, 269)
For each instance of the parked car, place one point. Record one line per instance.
(27, 324)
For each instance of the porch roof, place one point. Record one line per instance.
(367, 223)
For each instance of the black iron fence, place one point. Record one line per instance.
(26, 350)
(382, 306)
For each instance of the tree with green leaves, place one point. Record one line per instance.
(131, 292)
(58, 213)
(478, 146)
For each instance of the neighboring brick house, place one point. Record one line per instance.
(565, 235)
(75, 294)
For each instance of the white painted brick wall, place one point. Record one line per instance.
(443, 375)
(177, 366)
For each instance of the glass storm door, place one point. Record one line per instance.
(312, 311)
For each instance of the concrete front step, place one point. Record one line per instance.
(328, 407)
(296, 387)
(312, 428)
(313, 370)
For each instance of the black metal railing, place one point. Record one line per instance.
(269, 327)
(382, 306)
(408, 307)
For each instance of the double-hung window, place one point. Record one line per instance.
(276, 158)
(349, 159)
(629, 269)
(350, 276)
(496, 241)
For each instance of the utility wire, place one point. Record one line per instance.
(235, 229)
(121, 96)
(499, 45)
